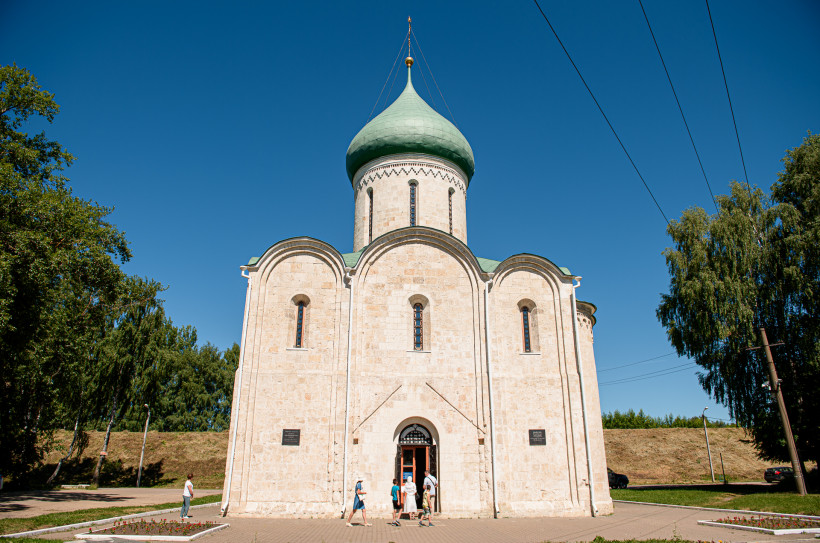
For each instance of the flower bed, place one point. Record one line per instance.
(776, 525)
(154, 530)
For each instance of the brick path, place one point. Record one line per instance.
(629, 521)
(22, 504)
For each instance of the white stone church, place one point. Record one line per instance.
(413, 353)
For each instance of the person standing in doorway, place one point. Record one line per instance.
(394, 494)
(187, 494)
(425, 504)
(432, 482)
(409, 491)
(358, 503)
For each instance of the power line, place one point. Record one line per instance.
(602, 111)
(652, 375)
(430, 94)
(725, 84)
(675, 94)
(386, 80)
(638, 362)
(434, 79)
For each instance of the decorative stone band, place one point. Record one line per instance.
(410, 168)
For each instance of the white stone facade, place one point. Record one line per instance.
(441, 196)
(360, 377)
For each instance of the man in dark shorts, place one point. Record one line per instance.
(394, 493)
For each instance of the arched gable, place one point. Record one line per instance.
(423, 235)
(287, 247)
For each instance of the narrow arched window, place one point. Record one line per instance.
(300, 322)
(418, 327)
(525, 324)
(370, 216)
(450, 205)
(413, 204)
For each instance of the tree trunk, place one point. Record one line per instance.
(105, 442)
(68, 454)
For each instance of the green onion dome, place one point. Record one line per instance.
(409, 125)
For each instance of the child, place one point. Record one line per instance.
(187, 494)
(394, 493)
(358, 503)
(425, 504)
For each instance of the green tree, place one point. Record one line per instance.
(59, 276)
(196, 391)
(132, 358)
(755, 263)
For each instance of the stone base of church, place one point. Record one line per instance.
(301, 510)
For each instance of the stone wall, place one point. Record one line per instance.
(443, 386)
(538, 390)
(389, 180)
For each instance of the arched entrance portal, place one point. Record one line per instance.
(415, 453)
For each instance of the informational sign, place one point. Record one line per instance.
(538, 437)
(291, 437)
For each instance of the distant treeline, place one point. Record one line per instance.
(640, 420)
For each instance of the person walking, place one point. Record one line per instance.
(425, 504)
(187, 494)
(409, 491)
(358, 503)
(429, 479)
(394, 494)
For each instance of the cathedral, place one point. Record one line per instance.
(411, 353)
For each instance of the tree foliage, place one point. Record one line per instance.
(59, 275)
(195, 392)
(82, 345)
(640, 420)
(754, 264)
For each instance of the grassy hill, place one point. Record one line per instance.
(168, 457)
(666, 455)
(678, 455)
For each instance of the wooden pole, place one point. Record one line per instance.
(774, 387)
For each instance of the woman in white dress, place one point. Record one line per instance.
(409, 491)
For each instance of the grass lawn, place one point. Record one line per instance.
(744, 497)
(16, 525)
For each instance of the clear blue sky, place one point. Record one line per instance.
(216, 129)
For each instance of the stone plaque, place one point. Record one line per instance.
(538, 437)
(291, 437)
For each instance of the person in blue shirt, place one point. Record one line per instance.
(358, 503)
(394, 493)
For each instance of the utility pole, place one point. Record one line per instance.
(774, 387)
(708, 450)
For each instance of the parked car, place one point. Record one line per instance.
(781, 473)
(617, 480)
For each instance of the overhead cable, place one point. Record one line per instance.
(675, 94)
(636, 363)
(728, 96)
(386, 80)
(544, 15)
(434, 79)
(430, 94)
(652, 375)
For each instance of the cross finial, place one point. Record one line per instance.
(409, 59)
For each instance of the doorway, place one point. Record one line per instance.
(415, 454)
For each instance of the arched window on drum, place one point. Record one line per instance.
(414, 202)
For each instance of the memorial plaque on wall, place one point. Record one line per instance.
(291, 437)
(538, 437)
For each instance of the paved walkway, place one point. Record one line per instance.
(629, 521)
(40, 502)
